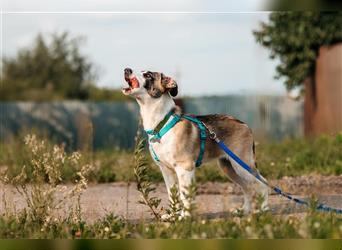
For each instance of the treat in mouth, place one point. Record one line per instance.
(131, 79)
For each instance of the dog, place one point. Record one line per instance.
(178, 149)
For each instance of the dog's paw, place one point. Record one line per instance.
(184, 215)
(165, 217)
(265, 208)
(239, 212)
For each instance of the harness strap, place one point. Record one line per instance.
(155, 156)
(203, 137)
(161, 123)
(157, 135)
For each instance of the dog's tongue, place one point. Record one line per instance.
(134, 82)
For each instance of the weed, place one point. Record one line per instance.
(175, 206)
(144, 185)
(44, 195)
(190, 196)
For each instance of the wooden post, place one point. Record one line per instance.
(323, 94)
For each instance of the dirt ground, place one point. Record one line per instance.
(214, 200)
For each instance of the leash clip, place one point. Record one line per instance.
(212, 134)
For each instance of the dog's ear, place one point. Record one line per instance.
(174, 91)
(169, 84)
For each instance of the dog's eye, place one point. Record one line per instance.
(148, 75)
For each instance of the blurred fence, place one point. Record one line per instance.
(114, 124)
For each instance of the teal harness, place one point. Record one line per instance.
(157, 135)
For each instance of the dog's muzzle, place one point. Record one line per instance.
(131, 79)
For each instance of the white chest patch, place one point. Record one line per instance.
(163, 150)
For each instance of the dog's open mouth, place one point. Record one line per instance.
(132, 81)
(132, 84)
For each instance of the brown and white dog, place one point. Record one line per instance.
(179, 148)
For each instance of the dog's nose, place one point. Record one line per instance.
(128, 71)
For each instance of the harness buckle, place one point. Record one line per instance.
(203, 134)
(155, 138)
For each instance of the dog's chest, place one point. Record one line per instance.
(163, 150)
(176, 147)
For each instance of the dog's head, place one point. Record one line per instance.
(149, 84)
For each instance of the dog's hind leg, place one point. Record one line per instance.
(247, 182)
(260, 188)
(228, 169)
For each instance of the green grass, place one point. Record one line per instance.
(49, 167)
(322, 155)
(294, 157)
(266, 225)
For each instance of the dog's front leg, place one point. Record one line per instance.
(185, 179)
(169, 176)
(170, 180)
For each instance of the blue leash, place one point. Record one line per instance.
(320, 207)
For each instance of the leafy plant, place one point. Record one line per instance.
(144, 185)
(190, 196)
(295, 38)
(175, 206)
(40, 194)
(53, 68)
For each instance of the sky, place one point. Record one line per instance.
(208, 53)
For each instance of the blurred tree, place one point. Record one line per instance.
(295, 38)
(48, 70)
